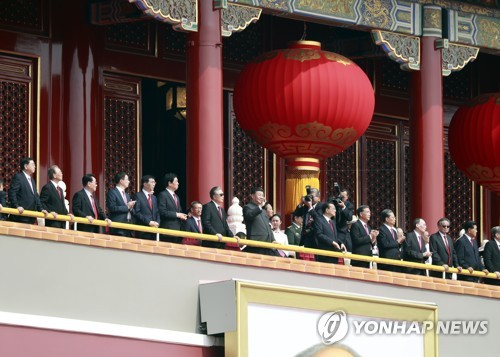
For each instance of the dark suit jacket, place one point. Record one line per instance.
(21, 195)
(168, 215)
(213, 224)
(468, 256)
(118, 211)
(83, 208)
(388, 248)
(412, 252)
(440, 254)
(361, 243)
(325, 237)
(491, 256)
(341, 218)
(3, 202)
(143, 214)
(258, 228)
(308, 239)
(192, 226)
(53, 202)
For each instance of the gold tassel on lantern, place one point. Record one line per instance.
(300, 172)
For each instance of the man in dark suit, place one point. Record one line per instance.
(443, 251)
(388, 241)
(169, 205)
(23, 194)
(120, 205)
(345, 211)
(214, 218)
(362, 236)
(52, 198)
(414, 246)
(468, 252)
(492, 256)
(326, 233)
(309, 209)
(145, 210)
(257, 223)
(194, 223)
(85, 204)
(294, 231)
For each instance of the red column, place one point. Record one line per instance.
(205, 144)
(426, 137)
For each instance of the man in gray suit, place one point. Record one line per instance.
(257, 222)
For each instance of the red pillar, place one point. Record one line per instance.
(205, 144)
(426, 137)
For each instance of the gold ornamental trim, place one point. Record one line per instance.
(488, 177)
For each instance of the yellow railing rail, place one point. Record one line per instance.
(248, 242)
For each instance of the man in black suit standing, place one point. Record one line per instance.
(345, 211)
(362, 236)
(388, 241)
(414, 246)
(443, 251)
(491, 256)
(120, 205)
(326, 233)
(169, 205)
(145, 210)
(52, 198)
(310, 209)
(23, 194)
(85, 204)
(214, 218)
(194, 223)
(257, 223)
(468, 252)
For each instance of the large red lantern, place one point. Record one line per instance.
(474, 140)
(303, 104)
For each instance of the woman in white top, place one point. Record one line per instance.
(280, 236)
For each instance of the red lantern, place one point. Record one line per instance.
(474, 140)
(304, 102)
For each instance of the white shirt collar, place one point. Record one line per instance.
(146, 192)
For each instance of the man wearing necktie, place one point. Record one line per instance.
(468, 252)
(120, 205)
(443, 251)
(23, 194)
(85, 204)
(326, 233)
(214, 218)
(362, 236)
(52, 198)
(145, 210)
(414, 246)
(492, 256)
(193, 223)
(171, 215)
(388, 241)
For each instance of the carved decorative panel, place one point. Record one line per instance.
(248, 160)
(381, 177)
(134, 37)
(27, 16)
(121, 108)
(393, 78)
(15, 114)
(244, 46)
(458, 196)
(342, 169)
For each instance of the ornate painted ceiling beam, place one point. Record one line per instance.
(467, 23)
(183, 14)
(455, 57)
(113, 12)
